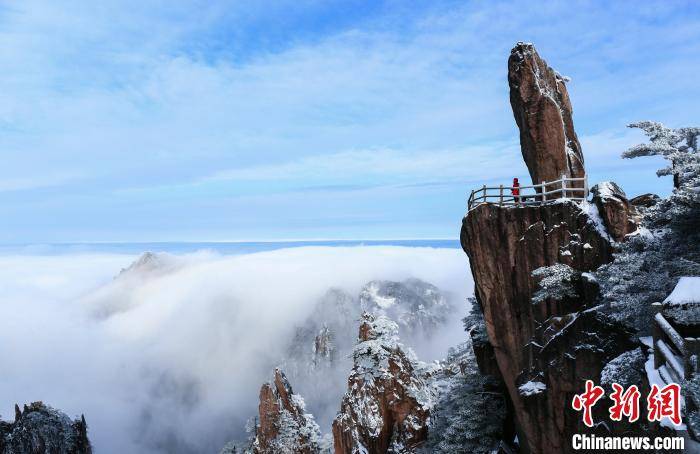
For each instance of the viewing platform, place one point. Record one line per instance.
(539, 194)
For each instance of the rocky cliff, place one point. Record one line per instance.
(531, 268)
(543, 112)
(283, 424)
(389, 398)
(618, 214)
(40, 429)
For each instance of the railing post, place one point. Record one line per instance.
(585, 187)
(544, 189)
(656, 334)
(563, 186)
(691, 348)
(500, 200)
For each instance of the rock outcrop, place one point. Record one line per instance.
(417, 306)
(327, 337)
(283, 425)
(40, 429)
(531, 267)
(324, 349)
(647, 200)
(118, 296)
(389, 398)
(618, 215)
(542, 110)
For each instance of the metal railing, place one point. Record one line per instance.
(538, 194)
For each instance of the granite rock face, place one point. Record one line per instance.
(389, 398)
(543, 112)
(530, 269)
(283, 425)
(416, 306)
(324, 353)
(618, 215)
(647, 200)
(40, 429)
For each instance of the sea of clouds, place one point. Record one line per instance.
(172, 360)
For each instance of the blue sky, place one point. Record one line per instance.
(189, 120)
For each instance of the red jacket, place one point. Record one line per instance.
(516, 189)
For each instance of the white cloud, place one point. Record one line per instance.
(185, 357)
(144, 101)
(384, 162)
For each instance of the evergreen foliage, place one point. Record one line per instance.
(470, 412)
(668, 244)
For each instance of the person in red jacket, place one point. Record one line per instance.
(515, 190)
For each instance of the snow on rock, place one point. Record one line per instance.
(417, 306)
(327, 337)
(41, 429)
(319, 354)
(607, 190)
(371, 292)
(150, 262)
(618, 216)
(117, 296)
(686, 291)
(682, 306)
(284, 427)
(531, 388)
(594, 218)
(390, 394)
(543, 112)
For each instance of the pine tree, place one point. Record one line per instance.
(469, 416)
(668, 244)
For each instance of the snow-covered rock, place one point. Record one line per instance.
(40, 429)
(327, 336)
(619, 217)
(150, 263)
(319, 354)
(118, 296)
(390, 394)
(415, 305)
(543, 112)
(283, 427)
(531, 388)
(682, 306)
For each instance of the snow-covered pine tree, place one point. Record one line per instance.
(680, 146)
(470, 412)
(668, 244)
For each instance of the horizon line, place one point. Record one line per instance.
(291, 240)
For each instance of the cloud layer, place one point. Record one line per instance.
(173, 360)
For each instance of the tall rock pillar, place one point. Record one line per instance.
(543, 113)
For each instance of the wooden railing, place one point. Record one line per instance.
(676, 360)
(672, 350)
(547, 191)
